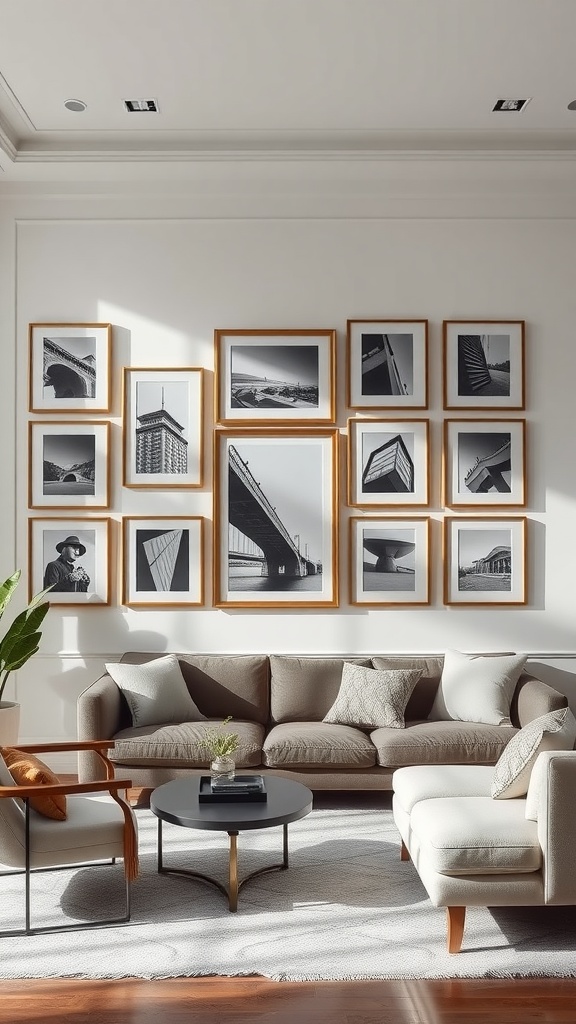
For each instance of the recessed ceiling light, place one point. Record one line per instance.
(572, 105)
(514, 105)
(141, 106)
(77, 105)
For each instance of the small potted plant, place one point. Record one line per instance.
(220, 745)
(19, 643)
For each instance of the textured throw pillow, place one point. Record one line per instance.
(476, 688)
(27, 770)
(369, 698)
(156, 691)
(553, 731)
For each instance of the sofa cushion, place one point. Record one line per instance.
(474, 836)
(317, 744)
(554, 731)
(369, 698)
(224, 685)
(155, 691)
(440, 743)
(477, 688)
(180, 745)
(423, 694)
(304, 689)
(428, 782)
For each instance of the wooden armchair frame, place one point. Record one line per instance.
(109, 785)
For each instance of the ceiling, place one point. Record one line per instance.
(276, 79)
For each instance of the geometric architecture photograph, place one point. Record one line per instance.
(485, 463)
(389, 561)
(162, 561)
(387, 364)
(387, 462)
(484, 561)
(483, 364)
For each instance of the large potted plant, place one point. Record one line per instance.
(20, 642)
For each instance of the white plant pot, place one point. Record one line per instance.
(9, 723)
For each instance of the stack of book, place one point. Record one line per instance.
(242, 787)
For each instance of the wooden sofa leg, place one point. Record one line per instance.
(455, 923)
(404, 854)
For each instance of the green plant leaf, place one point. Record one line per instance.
(7, 589)
(20, 652)
(24, 625)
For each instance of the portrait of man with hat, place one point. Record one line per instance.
(63, 574)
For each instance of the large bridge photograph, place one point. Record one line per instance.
(276, 520)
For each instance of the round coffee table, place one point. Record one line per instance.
(178, 803)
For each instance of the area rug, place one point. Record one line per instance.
(347, 908)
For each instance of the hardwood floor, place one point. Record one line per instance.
(258, 1000)
(247, 1000)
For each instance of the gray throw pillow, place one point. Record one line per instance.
(156, 691)
(554, 731)
(369, 698)
(477, 688)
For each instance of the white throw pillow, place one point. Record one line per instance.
(554, 731)
(156, 691)
(369, 698)
(476, 688)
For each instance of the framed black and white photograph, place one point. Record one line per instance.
(70, 366)
(162, 562)
(389, 561)
(485, 463)
(68, 464)
(280, 376)
(72, 556)
(484, 364)
(484, 561)
(276, 519)
(388, 463)
(387, 364)
(163, 427)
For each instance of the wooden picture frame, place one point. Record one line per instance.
(484, 561)
(275, 377)
(163, 420)
(388, 463)
(162, 559)
(81, 577)
(485, 463)
(70, 367)
(483, 365)
(389, 561)
(68, 464)
(387, 364)
(276, 519)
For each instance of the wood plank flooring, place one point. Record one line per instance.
(260, 1001)
(247, 1000)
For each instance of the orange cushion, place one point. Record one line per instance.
(27, 770)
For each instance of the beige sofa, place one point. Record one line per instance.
(472, 850)
(277, 704)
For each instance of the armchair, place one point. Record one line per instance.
(100, 826)
(472, 850)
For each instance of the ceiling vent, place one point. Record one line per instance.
(514, 105)
(141, 106)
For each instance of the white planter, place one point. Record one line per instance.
(9, 723)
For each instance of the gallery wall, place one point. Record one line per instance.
(166, 270)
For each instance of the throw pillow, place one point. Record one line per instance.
(27, 770)
(554, 731)
(476, 688)
(369, 698)
(156, 691)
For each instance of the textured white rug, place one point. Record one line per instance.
(346, 908)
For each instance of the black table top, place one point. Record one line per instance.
(178, 803)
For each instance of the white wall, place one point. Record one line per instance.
(167, 267)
